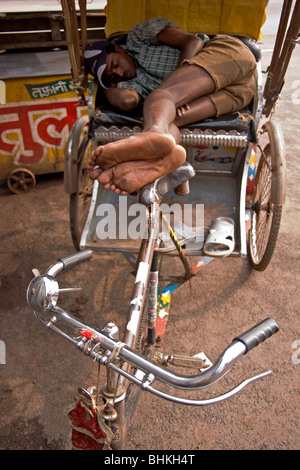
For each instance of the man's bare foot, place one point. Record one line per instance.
(94, 173)
(106, 178)
(143, 146)
(129, 177)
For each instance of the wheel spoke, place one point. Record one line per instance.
(265, 215)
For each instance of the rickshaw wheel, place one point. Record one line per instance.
(20, 180)
(81, 200)
(265, 215)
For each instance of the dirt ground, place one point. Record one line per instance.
(42, 371)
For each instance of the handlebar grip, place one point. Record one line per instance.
(76, 258)
(258, 333)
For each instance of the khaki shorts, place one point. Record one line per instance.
(233, 69)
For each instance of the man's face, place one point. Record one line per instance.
(119, 66)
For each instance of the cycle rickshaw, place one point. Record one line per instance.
(236, 171)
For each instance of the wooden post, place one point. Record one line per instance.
(73, 43)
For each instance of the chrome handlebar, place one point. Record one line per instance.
(103, 347)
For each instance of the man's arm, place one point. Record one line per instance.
(189, 46)
(122, 99)
(188, 43)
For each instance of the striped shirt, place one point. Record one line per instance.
(153, 61)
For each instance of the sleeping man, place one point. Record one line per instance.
(180, 79)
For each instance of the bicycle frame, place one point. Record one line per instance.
(120, 357)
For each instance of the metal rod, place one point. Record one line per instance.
(141, 280)
(204, 379)
(209, 401)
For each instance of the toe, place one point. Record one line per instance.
(94, 174)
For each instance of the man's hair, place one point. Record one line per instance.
(110, 48)
(120, 40)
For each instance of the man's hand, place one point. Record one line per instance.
(122, 99)
(188, 43)
(182, 110)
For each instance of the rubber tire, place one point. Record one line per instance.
(20, 180)
(80, 201)
(265, 216)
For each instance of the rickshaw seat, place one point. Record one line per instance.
(108, 125)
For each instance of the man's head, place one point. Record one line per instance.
(109, 62)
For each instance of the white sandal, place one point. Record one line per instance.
(220, 239)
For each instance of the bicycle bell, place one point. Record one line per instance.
(42, 292)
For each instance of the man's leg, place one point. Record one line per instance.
(186, 85)
(198, 110)
(160, 135)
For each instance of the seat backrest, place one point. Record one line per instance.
(234, 17)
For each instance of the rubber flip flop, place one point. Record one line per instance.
(220, 239)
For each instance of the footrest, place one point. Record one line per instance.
(164, 184)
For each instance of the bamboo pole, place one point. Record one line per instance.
(73, 43)
(83, 22)
(285, 43)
